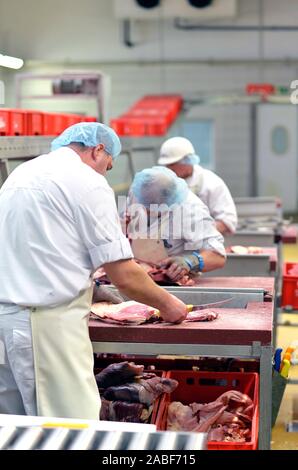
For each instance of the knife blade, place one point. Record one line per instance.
(192, 308)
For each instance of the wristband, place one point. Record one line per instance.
(201, 260)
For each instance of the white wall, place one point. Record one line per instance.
(56, 36)
(76, 30)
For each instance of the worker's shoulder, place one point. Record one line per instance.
(194, 204)
(212, 178)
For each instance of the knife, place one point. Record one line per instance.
(193, 308)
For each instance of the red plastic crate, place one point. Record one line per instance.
(205, 387)
(60, 123)
(18, 122)
(4, 122)
(49, 124)
(260, 88)
(72, 119)
(290, 285)
(35, 122)
(129, 126)
(89, 119)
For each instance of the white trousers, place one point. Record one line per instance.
(17, 380)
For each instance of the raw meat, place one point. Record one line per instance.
(243, 250)
(124, 411)
(228, 418)
(201, 315)
(134, 313)
(143, 391)
(124, 313)
(119, 373)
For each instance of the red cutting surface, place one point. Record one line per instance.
(290, 234)
(233, 326)
(270, 251)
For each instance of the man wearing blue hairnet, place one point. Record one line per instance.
(58, 224)
(176, 216)
(178, 154)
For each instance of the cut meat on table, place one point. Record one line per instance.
(134, 313)
(124, 313)
(243, 250)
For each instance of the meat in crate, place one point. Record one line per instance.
(130, 393)
(223, 404)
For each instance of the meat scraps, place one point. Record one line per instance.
(243, 250)
(142, 391)
(157, 274)
(117, 374)
(228, 418)
(128, 393)
(134, 313)
(124, 411)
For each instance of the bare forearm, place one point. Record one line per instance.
(133, 282)
(212, 260)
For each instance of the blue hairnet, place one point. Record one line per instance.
(90, 134)
(190, 160)
(159, 185)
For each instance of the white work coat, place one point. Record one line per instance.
(213, 191)
(194, 227)
(58, 224)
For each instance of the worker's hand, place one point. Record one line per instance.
(104, 294)
(176, 267)
(175, 312)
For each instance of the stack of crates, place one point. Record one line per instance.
(152, 115)
(21, 122)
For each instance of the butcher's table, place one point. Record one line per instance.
(237, 332)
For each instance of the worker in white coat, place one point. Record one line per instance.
(178, 154)
(58, 224)
(161, 207)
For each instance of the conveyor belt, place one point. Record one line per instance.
(39, 438)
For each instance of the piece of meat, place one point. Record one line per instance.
(125, 313)
(124, 412)
(239, 250)
(228, 418)
(180, 417)
(217, 433)
(117, 374)
(144, 391)
(201, 315)
(256, 250)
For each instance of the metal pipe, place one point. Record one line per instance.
(180, 24)
(127, 33)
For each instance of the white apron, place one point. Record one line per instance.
(63, 360)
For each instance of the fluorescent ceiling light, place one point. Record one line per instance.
(11, 62)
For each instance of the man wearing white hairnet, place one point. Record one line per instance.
(58, 224)
(178, 154)
(161, 206)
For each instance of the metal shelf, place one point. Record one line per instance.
(22, 147)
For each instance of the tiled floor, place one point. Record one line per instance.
(281, 439)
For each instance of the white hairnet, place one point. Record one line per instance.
(159, 185)
(190, 160)
(90, 134)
